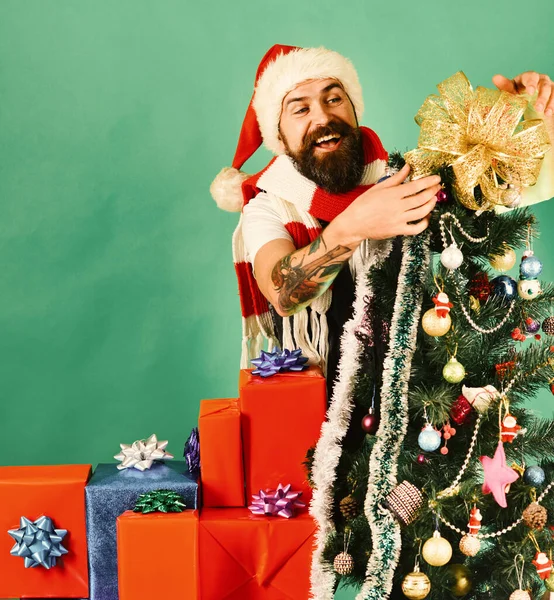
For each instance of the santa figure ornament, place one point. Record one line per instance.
(475, 519)
(442, 304)
(509, 428)
(543, 565)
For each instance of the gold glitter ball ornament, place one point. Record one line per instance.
(437, 551)
(549, 582)
(535, 516)
(416, 585)
(481, 135)
(470, 545)
(461, 580)
(504, 262)
(453, 371)
(511, 196)
(434, 325)
(520, 595)
(343, 563)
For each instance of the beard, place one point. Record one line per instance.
(338, 171)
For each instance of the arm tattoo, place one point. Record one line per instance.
(299, 284)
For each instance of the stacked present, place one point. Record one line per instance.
(139, 530)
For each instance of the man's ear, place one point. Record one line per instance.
(282, 147)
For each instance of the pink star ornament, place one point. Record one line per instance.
(497, 475)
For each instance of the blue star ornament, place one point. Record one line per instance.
(38, 542)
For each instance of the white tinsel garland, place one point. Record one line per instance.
(333, 430)
(383, 463)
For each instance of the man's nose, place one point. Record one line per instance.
(320, 114)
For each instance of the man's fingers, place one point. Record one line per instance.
(545, 92)
(416, 228)
(504, 84)
(530, 81)
(422, 211)
(421, 198)
(414, 187)
(395, 179)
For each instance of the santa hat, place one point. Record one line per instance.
(280, 71)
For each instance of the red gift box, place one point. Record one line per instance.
(222, 471)
(57, 492)
(157, 555)
(281, 418)
(250, 557)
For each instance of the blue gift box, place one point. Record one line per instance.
(110, 493)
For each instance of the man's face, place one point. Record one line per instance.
(320, 133)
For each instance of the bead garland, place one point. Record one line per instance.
(482, 329)
(460, 228)
(476, 241)
(449, 491)
(495, 533)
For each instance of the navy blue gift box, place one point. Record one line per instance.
(110, 493)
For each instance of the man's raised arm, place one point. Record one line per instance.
(292, 278)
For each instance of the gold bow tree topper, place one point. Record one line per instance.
(482, 135)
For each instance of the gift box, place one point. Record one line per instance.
(150, 551)
(249, 557)
(110, 493)
(281, 418)
(57, 492)
(222, 470)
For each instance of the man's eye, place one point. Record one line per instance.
(301, 110)
(334, 100)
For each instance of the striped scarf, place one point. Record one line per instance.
(301, 205)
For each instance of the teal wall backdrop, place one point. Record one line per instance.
(118, 303)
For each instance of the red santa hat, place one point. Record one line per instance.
(280, 71)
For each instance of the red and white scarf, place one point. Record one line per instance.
(301, 205)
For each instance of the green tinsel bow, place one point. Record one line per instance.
(165, 501)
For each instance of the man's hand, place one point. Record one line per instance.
(530, 82)
(388, 209)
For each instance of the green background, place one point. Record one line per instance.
(118, 304)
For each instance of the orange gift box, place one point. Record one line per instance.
(281, 418)
(254, 557)
(157, 555)
(222, 471)
(57, 492)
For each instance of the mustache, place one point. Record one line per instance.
(333, 127)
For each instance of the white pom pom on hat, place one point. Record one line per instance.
(280, 71)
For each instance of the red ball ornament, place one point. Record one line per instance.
(552, 387)
(421, 459)
(370, 422)
(461, 410)
(444, 450)
(442, 197)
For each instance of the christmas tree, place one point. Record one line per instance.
(449, 491)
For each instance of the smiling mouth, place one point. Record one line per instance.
(328, 142)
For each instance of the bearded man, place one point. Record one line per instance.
(317, 214)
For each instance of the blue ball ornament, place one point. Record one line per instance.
(530, 268)
(429, 439)
(504, 288)
(534, 476)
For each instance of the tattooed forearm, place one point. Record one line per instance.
(298, 280)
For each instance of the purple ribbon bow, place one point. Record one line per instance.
(280, 502)
(271, 363)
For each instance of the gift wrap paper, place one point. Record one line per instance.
(222, 471)
(250, 557)
(281, 418)
(109, 494)
(59, 493)
(151, 550)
